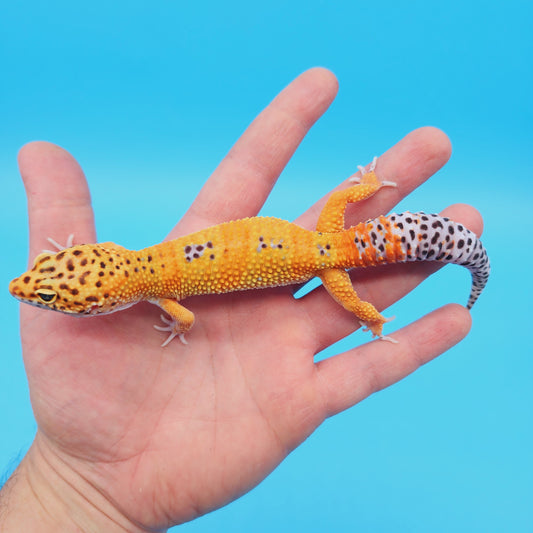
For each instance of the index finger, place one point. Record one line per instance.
(241, 183)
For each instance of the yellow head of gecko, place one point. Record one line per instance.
(87, 279)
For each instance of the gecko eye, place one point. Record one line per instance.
(47, 295)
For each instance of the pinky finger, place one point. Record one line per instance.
(350, 377)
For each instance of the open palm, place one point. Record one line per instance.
(163, 435)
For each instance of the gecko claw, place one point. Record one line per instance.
(376, 331)
(60, 247)
(170, 327)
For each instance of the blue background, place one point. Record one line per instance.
(150, 96)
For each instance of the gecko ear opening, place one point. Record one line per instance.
(46, 295)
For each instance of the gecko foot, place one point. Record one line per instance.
(59, 247)
(376, 330)
(371, 168)
(170, 326)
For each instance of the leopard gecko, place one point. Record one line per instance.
(251, 253)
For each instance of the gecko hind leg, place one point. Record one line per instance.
(331, 218)
(339, 285)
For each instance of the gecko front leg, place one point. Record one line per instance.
(181, 319)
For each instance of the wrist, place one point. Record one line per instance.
(45, 494)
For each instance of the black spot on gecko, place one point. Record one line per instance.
(83, 262)
(151, 271)
(188, 249)
(63, 286)
(212, 256)
(96, 252)
(83, 276)
(460, 244)
(149, 258)
(102, 264)
(101, 273)
(98, 284)
(77, 252)
(60, 256)
(70, 265)
(209, 244)
(126, 273)
(74, 292)
(91, 299)
(26, 279)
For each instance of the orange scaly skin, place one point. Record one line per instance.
(258, 252)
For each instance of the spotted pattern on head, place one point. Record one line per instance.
(83, 280)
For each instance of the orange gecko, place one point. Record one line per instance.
(251, 253)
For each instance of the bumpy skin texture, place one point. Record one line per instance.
(250, 253)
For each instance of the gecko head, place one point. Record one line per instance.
(81, 280)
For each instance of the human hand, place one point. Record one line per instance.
(141, 437)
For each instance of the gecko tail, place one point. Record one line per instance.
(427, 237)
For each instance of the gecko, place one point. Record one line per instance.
(251, 253)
